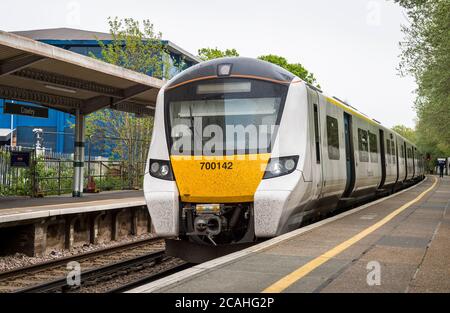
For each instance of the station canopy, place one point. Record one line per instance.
(39, 73)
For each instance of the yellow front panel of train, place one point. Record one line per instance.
(228, 179)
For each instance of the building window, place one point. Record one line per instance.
(69, 138)
(26, 137)
(333, 138)
(79, 49)
(373, 148)
(363, 145)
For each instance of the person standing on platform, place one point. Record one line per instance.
(441, 168)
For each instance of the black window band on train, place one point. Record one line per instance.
(197, 109)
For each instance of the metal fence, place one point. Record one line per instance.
(14, 180)
(51, 173)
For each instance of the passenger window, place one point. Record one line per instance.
(393, 152)
(333, 138)
(363, 145)
(388, 150)
(373, 148)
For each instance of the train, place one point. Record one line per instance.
(243, 150)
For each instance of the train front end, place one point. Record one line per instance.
(216, 139)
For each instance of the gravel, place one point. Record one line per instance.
(18, 260)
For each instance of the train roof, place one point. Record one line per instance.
(255, 68)
(240, 67)
(355, 111)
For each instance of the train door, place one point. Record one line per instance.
(383, 159)
(406, 160)
(316, 159)
(397, 158)
(349, 155)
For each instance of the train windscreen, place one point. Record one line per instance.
(224, 117)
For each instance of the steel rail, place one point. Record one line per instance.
(151, 278)
(62, 285)
(78, 257)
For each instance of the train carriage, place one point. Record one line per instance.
(244, 150)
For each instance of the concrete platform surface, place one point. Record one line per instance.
(400, 243)
(19, 209)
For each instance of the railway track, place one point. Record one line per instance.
(116, 269)
(94, 276)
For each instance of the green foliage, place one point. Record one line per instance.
(143, 51)
(214, 53)
(137, 49)
(406, 132)
(426, 56)
(295, 68)
(51, 176)
(110, 183)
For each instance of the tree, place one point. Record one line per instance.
(135, 49)
(426, 56)
(126, 135)
(295, 68)
(214, 53)
(406, 132)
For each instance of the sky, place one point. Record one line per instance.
(351, 46)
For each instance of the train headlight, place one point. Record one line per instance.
(280, 166)
(154, 167)
(161, 169)
(276, 168)
(164, 170)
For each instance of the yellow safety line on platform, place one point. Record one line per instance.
(304, 270)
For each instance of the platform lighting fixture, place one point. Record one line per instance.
(60, 89)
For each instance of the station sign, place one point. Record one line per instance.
(20, 158)
(28, 110)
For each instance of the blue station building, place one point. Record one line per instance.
(57, 127)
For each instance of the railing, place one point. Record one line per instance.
(52, 173)
(113, 175)
(15, 181)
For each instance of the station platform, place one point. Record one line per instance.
(400, 243)
(21, 208)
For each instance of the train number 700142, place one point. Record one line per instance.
(216, 165)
